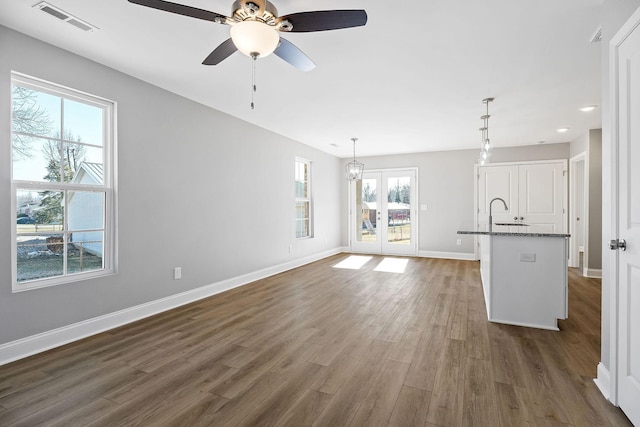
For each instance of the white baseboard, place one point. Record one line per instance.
(603, 381)
(34, 344)
(593, 273)
(448, 255)
(526, 324)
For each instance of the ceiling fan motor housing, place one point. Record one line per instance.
(247, 10)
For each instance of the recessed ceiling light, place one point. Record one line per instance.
(562, 130)
(588, 108)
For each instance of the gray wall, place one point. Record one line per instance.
(595, 199)
(446, 186)
(197, 189)
(591, 143)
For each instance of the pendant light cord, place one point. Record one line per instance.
(254, 56)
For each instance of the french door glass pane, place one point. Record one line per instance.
(399, 209)
(366, 226)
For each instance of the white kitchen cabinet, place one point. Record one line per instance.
(535, 194)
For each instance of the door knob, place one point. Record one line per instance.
(515, 218)
(618, 244)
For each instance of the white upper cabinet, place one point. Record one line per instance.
(535, 194)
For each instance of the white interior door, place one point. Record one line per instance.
(628, 261)
(541, 196)
(383, 213)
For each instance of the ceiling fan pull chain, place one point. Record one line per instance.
(253, 80)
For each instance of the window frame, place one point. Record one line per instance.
(108, 186)
(307, 199)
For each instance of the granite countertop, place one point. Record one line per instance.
(510, 230)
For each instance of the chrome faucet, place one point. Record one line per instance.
(491, 203)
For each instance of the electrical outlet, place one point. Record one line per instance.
(290, 248)
(177, 273)
(459, 242)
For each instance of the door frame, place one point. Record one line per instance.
(607, 380)
(574, 253)
(414, 207)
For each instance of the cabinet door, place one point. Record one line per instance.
(497, 181)
(541, 196)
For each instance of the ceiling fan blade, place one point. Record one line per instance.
(294, 56)
(323, 20)
(182, 9)
(222, 52)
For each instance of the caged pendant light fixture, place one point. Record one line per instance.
(354, 168)
(486, 142)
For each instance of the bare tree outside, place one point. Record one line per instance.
(28, 118)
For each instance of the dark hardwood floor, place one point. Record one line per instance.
(328, 347)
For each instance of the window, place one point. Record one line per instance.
(62, 184)
(303, 198)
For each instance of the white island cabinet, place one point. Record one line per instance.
(524, 275)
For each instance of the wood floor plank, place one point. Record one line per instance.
(378, 404)
(347, 399)
(306, 409)
(391, 349)
(512, 405)
(428, 356)
(447, 397)
(411, 408)
(479, 407)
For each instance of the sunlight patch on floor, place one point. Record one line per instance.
(392, 265)
(354, 262)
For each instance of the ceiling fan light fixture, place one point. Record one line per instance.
(254, 38)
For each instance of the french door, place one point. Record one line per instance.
(382, 213)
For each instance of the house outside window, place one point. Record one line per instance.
(62, 172)
(303, 198)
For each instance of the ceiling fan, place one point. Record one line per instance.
(255, 25)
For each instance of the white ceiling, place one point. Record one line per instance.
(411, 80)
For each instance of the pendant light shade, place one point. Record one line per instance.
(354, 168)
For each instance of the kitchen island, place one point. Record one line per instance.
(524, 275)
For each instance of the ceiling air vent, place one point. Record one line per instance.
(64, 16)
(597, 36)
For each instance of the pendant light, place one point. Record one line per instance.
(486, 142)
(354, 168)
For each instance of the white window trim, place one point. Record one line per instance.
(109, 185)
(308, 199)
